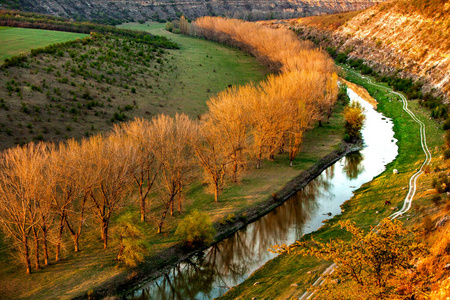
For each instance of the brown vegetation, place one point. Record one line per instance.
(44, 184)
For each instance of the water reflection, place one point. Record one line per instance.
(228, 263)
(352, 165)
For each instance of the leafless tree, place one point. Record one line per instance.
(175, 157)
(146, 166)
(22, 189)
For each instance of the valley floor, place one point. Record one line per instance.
(290, 275)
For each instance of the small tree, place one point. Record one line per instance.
(370, 265)
(184, 26)
(130, 237)
(212, 155)
(196, 229)
(354, 121)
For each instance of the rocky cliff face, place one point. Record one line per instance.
(170, 9)
(395, 37)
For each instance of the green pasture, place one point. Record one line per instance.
(14, 41)
(204, 68)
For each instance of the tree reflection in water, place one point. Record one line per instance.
(211, 273)
(352, 165)
(228, 263)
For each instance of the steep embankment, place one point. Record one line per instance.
(170, 9)
(410, 38)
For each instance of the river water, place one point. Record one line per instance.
(211, 273)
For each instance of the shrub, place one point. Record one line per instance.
(447, 139)
(446, 124)
(354, 120)
(129, 234)
(436, 199)
(343, 98)
(441, 183)
(196, 229)
(231, 218)
(446, 153)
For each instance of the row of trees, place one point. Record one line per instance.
(48, 188)
(280, 49)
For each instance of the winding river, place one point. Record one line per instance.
(211, 273)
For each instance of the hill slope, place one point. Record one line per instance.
(411, 38)
(170, 9)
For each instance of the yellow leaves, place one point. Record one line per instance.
(375, 262)
(354, 119)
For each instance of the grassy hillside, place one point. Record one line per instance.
(205, 68)
(86, 86)
(15, 41)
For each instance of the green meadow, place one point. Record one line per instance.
(14, 41)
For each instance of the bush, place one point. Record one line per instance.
(441, 183)
(196, 229)
(446, 125)
(343, 98)
(129, 234)
(447, 153)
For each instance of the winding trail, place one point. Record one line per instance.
(412, 181)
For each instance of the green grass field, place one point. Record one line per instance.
(276, 276)
(205, 68)
(14, 41)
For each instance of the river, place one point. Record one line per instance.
(211, 273)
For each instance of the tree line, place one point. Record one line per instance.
(47, 188)
(38, 21)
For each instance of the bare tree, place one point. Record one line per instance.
(112, 162)
(64, 185)
(174, 156)
(213, 154)
(22, 189)
(146, 166)
(228, 111)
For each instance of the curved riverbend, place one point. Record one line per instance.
(412, 181)
(228, 263)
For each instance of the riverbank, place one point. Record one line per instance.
(178, 254)
(81, 274)
(290, 275)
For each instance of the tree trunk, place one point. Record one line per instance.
(60, 232)
(163, 217)
(290, 162)
(44, 244)
(142, 204)
(235, 169)
(36, 246)
(122, 247)
(105, 233)
(26, 253)
(179, 202)
(216, 191)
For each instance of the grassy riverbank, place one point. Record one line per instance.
(276, 277)
(95, 267)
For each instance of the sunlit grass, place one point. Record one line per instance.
(14, 41)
